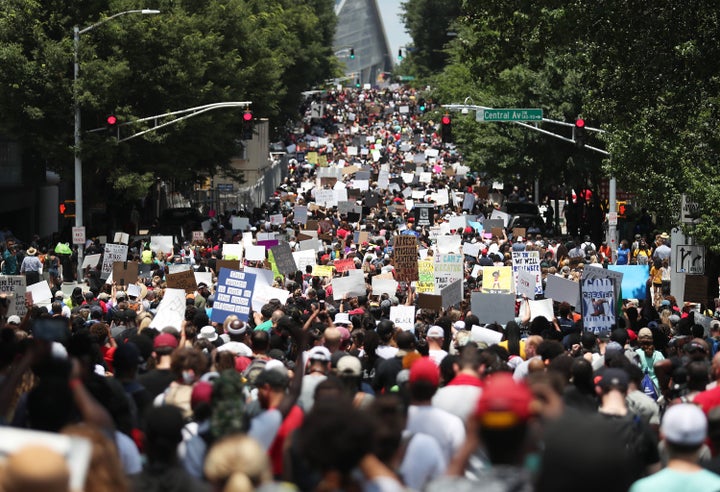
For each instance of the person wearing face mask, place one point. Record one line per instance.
(648, 355)
(188, 365)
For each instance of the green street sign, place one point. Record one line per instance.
(509, 114)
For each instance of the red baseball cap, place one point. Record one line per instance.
(425, 369)
(165, 340)
(504, 402)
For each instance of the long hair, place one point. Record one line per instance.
(105, 473)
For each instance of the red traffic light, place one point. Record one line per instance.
(62, 208)
(580, 123)
(446, 120)
(247, 116)
(111, 120)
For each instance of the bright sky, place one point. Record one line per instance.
(394, 28)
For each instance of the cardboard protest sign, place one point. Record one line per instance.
(493, 308)
(452, 294)
(344, 265)
(171, 311)
(233, 295)
(182, 280)
(598, 305)
(405, 258)
(403, 317)
(449, 244)
(591, 271)
(113, 253)
(229, 264)
(563, 290)
(429, 301)
(91, 261)
(384, 286)
(519, 232)
(696, 289)
(125, 272)
(497, 232)
(13, 286)
(284, 259)
(542, 307)
(161, 243)
(528, 261)
(525, 285)
(497, 280)
(40, 292)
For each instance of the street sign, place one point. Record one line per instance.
(612, 218)
(689, 258)
(78, 234)
(689, 211)
(509, 114)
(225, 187)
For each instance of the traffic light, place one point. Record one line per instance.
(400, 55)
(446, 129)
(352, 53)
(111, 124)
(357, 83)
(421, 105)
(247, 126)
(579, 133)
(621, 209)
(67, 208)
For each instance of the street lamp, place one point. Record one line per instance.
(78, 160)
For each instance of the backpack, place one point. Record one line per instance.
(648, 386)
(715, 346)
(251, 372)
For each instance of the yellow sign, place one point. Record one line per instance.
(312, 157)
(426, 274)
(322, 271)
(497, 280)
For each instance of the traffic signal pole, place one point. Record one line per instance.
(612, 189)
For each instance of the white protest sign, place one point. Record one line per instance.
(472, 249)
(528, 261)
(171, 311)
(497, 214)
(347, 286)
(113, 253)
(91, 261)
(449, 244)
(525, 284)
(255, 253)
(231, 251)
(304, 258)
(486, 335)
(121, 238)
(162, 243)
(403, 317)
(543, 307)
(384, 286)
(40, 292)
(263, 276)
(263, 293)
(13, 286)
(203, 277)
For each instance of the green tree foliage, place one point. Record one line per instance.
(193, 53)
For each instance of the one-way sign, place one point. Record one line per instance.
(689, 258)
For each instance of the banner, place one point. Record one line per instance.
(405, 258)
(528, 261)
(598, 305)
(233, 295)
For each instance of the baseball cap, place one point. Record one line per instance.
(504, 402)
(645, 333)
(435, 332)
(165, 340)
(319, 353)
(459, 325)
(424, 369)
(276, 377)
(613, 378)
(13, 320)
(613, 348)
(201, 393)
(684, 424)
(350, 366)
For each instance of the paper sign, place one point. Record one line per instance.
(125, 272)
(263, 294)
(525, 285)
(78, 234)
(277, 219)
(255, 253)
(161, 243)
(198, 236)
(263, 276)
(309, 245)
(497, 214)
(493, 308)
(134, 290)
(449, 244)
(121, 238)
(543, 307)
(232, 251)
(448, 268)
(497, 280)
(403, 317)
(528, 261)
(40, 292)
(384, 286)
(300, 214)
(239, 223)
(233, 295)
(182, 280)
(304, 258)
(591, 271)
(322, 271)
(405, 259)
(179, 267)
(472, 249)
(13, 286)
(171, 311)
(203, 277)
(113, 253)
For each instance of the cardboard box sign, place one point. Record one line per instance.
(229, 264)
(125, 272)
(430, 301)
(497, 232)
(182, 280)
(519, 232)
(311, 225)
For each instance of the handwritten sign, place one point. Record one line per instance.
(125, 272)
(182, 280)
(113, 253)
(233, 295)
(405, 258)
(344, 265)
(403, 317)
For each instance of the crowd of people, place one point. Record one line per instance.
(324, 392)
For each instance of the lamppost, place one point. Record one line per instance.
(78, 159)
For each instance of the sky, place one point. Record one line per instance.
(394, 28)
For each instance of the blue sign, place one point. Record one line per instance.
(233, 295)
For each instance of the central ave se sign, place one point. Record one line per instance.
(509, 114)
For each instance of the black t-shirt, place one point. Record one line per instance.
(386, 374)
(156, 381)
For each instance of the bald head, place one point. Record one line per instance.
(332, 338)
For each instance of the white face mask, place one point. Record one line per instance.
(188, 376)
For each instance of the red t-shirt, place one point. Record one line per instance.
(293, 420)
(708, 399)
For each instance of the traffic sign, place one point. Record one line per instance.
(689, 258)
(612, 218)
(78, 234)
(689, 211)
(509, 114)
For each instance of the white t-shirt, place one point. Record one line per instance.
(437, 355)
(423, 462)
(459, 400)
(447, 429)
